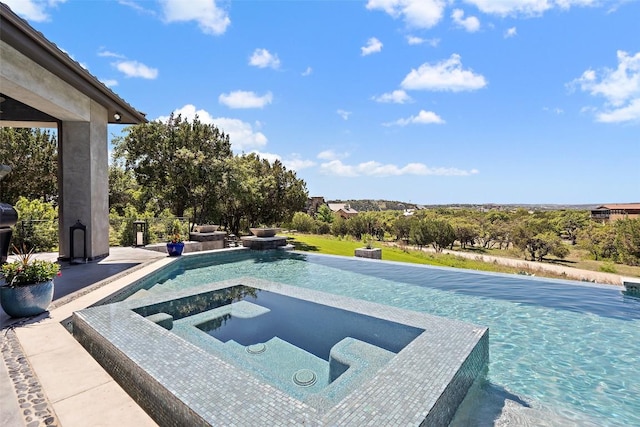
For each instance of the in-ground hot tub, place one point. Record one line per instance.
(250, 351)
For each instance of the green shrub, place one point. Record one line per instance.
(303, 222)
(608, 267)
(322, 227)
(37, 226)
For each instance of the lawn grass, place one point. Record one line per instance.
(346, 247)
(577, 258)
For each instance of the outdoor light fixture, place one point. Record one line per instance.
(117, 116)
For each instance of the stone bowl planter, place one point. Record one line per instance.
(371, 253)
(206, 228)
(264, 232)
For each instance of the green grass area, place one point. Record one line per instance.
(577, 258)
(346, 247)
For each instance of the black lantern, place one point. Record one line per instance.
(139, 233)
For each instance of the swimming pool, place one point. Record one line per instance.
(560, 351)
(157, 346)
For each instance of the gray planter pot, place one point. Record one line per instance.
(25, 301)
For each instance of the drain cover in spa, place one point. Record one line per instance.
(256, 348)
(304, 377)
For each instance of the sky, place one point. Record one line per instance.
(420, 101)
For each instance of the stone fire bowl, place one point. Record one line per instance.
(264, 232)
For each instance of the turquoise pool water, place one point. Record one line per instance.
(560, 351)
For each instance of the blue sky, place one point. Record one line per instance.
(423, 101)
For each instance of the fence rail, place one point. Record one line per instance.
(42, 235)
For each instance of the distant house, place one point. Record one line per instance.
(616, 211)
(343, 209)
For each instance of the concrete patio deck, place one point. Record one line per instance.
(46, 377)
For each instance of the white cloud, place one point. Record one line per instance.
(423, 117)
(331, 155)
(307, 72)
(415, 13)
(555, 110)
(262, 58)
(32, 10)
(244, 99)
(376, 169)
(294, 162)
(446, 75)
(396, 97)
(267, 156)
(630, 113)
(241, 134)
(110, 82)
(136, 69)
(373, 46)
(344, 114)
(109, 54)
(471, 23)
(511, 32)
(414, 40)
(617, 86)
(297, 164)
(620, 88)
(527, 7)
(210, 18)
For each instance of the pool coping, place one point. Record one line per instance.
(85, 394)
(425, 382)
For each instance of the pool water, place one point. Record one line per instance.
(301, 347)
(315, 328)
(560, 351)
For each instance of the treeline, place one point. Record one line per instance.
(536, 234)
(163, 170)
(187, 169)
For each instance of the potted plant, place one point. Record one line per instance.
(175, 245)
(26, 287)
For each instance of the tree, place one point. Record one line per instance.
(466, 231)
(570, 222)
(178, 164)
(537, 237)
(339, 227)
(257, 192)
(402, 227)
(325, 214)
(420, 233)
(599, 240)
(32, 155)
(302, 222)
(443, 234)
(628, 240)
(38, 225)
(123, 189)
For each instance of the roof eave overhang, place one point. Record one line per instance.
(21, 36)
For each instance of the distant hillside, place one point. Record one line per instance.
(367, 205)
